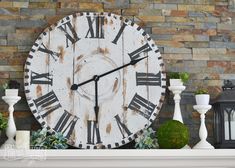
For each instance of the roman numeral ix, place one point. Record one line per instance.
(47, 103)
(66, 124)
(95, 30)
(122, 127)
(149, 79)
(93, 132)
(70, 33)
(44, 78)
(142, 106)
(136, 54)
(53, 54)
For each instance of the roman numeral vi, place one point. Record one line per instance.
(92, 132)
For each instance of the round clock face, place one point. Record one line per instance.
(95, 77)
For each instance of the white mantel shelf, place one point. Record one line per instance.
(182, 158)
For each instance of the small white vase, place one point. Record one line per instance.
(176, 82)
(11, 92)
(202, 99)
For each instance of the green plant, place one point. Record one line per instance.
(45, 140)
(201, 91)
(147, 140)
(172, 135)
(11, 84)
(184, 76)
(3, 122)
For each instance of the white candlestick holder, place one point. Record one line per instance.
(202, 144)
(11, 128)
(176, 90)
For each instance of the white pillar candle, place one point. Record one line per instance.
(22, 139)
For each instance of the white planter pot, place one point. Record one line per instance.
(202, 99)
(176, 82)
(11, 92)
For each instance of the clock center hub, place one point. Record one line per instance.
(94, 65)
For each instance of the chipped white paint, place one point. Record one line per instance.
(78, 58)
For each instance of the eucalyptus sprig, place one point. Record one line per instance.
(147, 140)
(3, 122)
(44, 140)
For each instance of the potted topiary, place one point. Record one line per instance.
(202, 96)
(178, 78)
(11, 88)
(3, 123)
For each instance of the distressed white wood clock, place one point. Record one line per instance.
(97, 78)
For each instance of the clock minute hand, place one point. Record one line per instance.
(132, 62)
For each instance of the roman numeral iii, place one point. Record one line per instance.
(53, 54)
(93, 132)
(44, 78)
(122, 127)
(66, 124)
(142, 106)
(136, 54)
(47, 103)
(95, 30)
(149, 79)
(70, 33)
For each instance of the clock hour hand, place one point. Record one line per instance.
(96, 108)
(132, 62)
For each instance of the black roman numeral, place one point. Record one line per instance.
(142, 106)
(119, 33)
(47, 103)
(149, 79)
(44, 78)
(136, 54)
(53, 54)
(92, 132)
(99, 31)
(66, 124)
(70, 33)
(122, 127)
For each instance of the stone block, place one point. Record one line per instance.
(178, 19)
(6, 4)
(20, 4)
(91, 6)
(226, 27)
(183, 38)
(201, 38)
(31, 24)
(3, 41)
(169, 50)
(221, 38)
(8, 68)
(157, 30)
(164, 6)
(30, 12)
(9, 11)
(4, 75)
(222, 45)
(123, 4)
(209, 51)
(8, 48)
(179, 13)
(46, 5)
(206, 26)
(150, 12)
(177, 56)
(151, 18)
(194, 44)
(196, 7)
(161, 37)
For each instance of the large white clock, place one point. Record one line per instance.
(97, 78)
